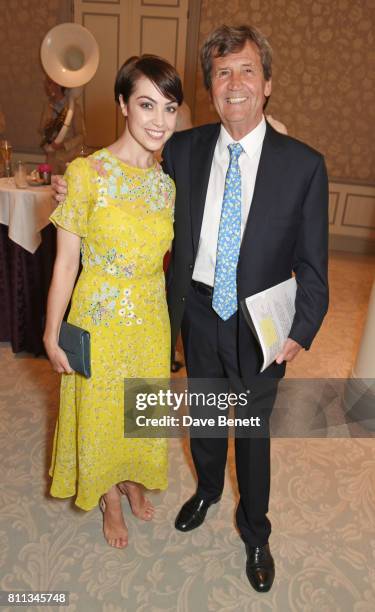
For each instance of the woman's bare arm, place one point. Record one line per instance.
(64, 275)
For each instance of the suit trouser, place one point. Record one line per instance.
(211, 351)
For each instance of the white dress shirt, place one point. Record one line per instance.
(204, 269)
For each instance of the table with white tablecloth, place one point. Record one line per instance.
(26, 212)
(27, 252)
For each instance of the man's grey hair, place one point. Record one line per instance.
(230, 39)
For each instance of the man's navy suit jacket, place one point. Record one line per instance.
(286, 231)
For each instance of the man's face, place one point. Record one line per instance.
(238, 90)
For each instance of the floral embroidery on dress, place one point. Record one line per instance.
(111, 261)
(103, 305)
(159, 190)
(102, 192)
(156, 189)
(97, 164)
(127, 309)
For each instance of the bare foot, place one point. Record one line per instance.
(114, 527)
(141, 506)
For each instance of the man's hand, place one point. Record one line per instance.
(290, 349)
(60, 188)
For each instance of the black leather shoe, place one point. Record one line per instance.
(260, 567)
(193, 513)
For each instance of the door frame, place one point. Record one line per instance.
(191, 54)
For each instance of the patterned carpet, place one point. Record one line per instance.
(322, 510)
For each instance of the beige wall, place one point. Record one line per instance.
(324, 74)
(323, 84)
(23, 25)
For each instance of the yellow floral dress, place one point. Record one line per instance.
(124, 216)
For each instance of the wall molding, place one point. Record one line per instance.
(352, 216)
(161, 4)
(191, 57)
(145, 18)
(351, 244)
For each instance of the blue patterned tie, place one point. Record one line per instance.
(224, 300)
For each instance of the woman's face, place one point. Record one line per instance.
(151, 117)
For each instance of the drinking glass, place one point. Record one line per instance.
(20, 175)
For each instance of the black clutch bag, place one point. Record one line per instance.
(75, 342)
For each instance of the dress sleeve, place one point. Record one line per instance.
(72, 214)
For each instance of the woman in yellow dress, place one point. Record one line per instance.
(119, 215)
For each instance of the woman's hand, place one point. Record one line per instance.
(57, 357)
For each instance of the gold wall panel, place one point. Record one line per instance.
(324, 74)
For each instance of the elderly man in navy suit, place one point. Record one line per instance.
(273, 190)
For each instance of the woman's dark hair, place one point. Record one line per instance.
(162, 74)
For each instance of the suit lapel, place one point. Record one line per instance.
(265, 190)
(201, 159)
